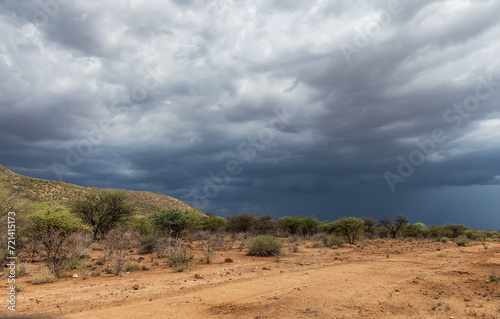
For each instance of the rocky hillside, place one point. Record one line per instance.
(60, 193)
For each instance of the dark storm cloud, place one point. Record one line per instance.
(315, 101)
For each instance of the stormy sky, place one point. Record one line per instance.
(325, 108)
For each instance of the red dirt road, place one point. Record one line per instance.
(376, 279)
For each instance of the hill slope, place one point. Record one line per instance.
(60, 193)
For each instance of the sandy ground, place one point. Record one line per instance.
(376, 279)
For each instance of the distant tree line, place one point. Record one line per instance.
(106, 216)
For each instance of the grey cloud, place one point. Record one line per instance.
(175, 88)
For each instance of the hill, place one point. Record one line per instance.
(60, 193)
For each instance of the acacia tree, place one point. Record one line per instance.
(394, 226)
(350, 227)
(102, 210)
(174, 222)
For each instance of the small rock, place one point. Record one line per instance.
(38, 300)
(198, 276)
(140, 259)
(94, 274)
(266, 268)
(153, 264)
(75, 276)
(144, 267)
(228, 260)
(135, 287)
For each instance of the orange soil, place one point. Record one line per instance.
(377, 279)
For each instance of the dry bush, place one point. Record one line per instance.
(178, 255)
(211, 242)
(133, 266)
(118, 242)
(153, 242)
(43, 277)
(294, 240)
(80, 244)
(320, 240)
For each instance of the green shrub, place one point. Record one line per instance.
(309, 225)
(415, 230)
(213, 224)
(291, 225)
(454, 230)
(264, 245)
(300, 225)
(462, 241)
(43, 277)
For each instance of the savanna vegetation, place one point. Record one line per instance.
(62, 236)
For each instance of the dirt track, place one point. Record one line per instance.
(379, 279)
